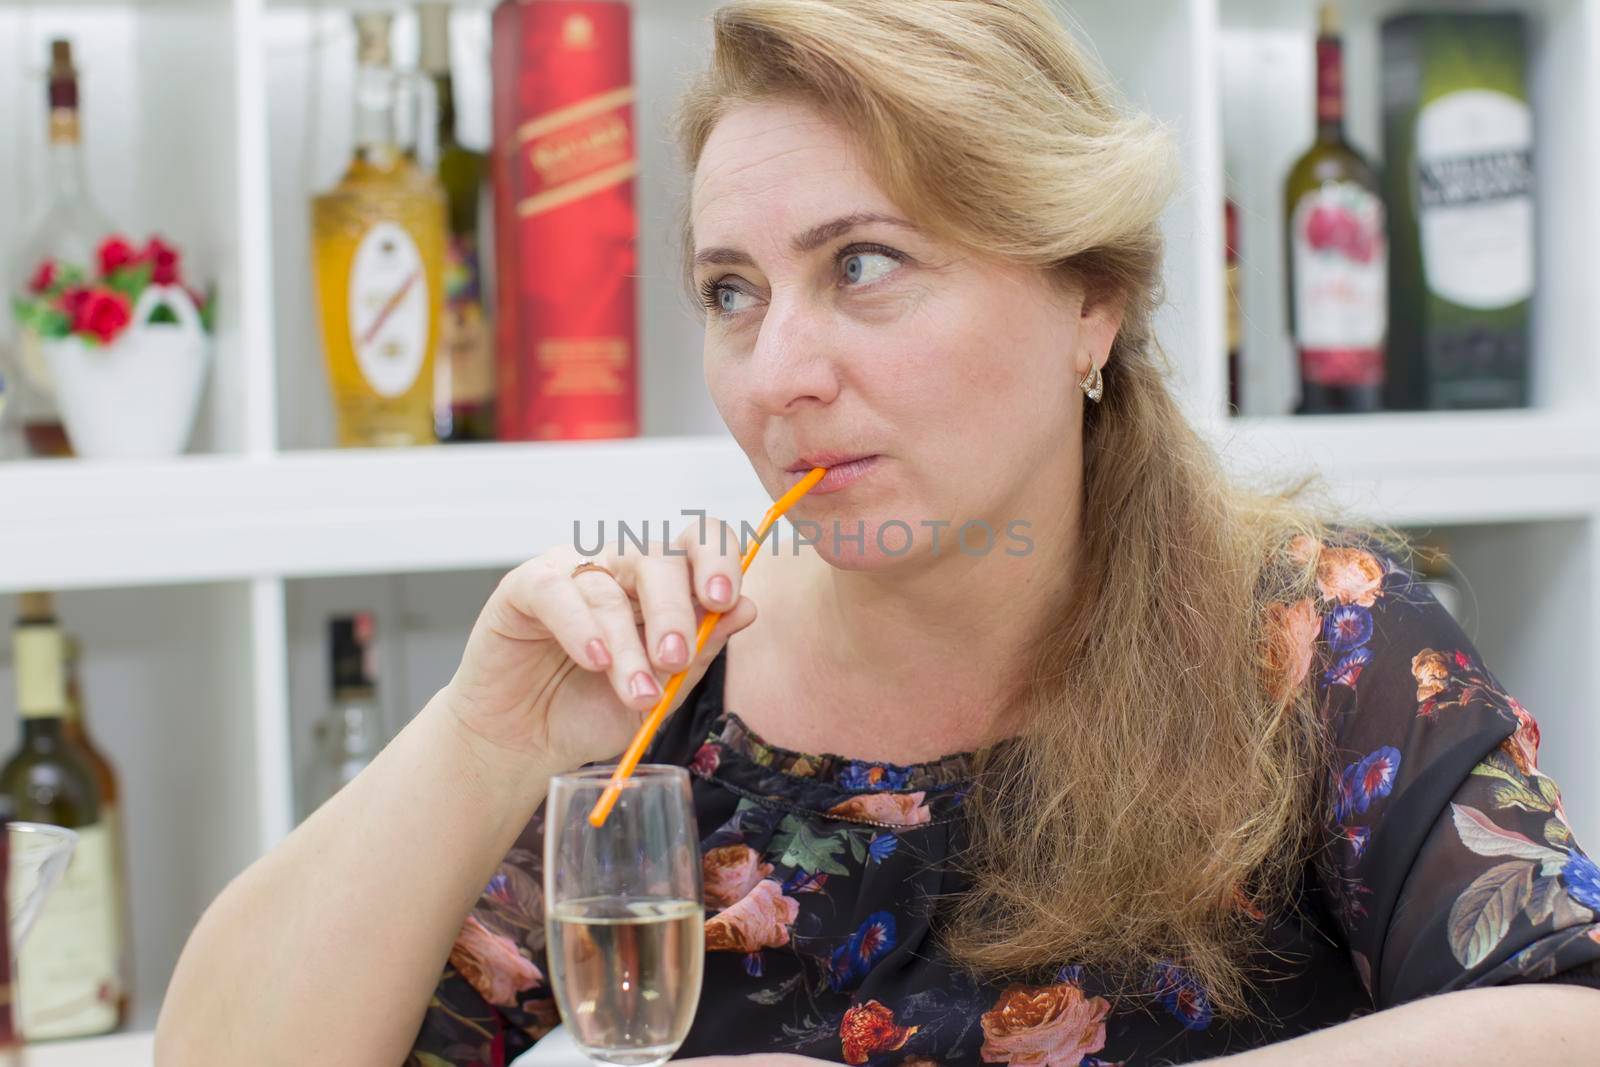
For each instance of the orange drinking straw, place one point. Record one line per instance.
(648, 728)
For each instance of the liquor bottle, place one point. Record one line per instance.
(75, 729)
(68, 984)
(350, 734)
(1337, 251)
(464, 368)
(1234, 314)
(1458, 141)
(377, 246)
(67, 233)
(566, 226)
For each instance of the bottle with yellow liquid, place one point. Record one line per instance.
(378, 248)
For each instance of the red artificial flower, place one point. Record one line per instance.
(163, 259)
(72, 302)
(43, 278)
(104, 315)
(116, 253)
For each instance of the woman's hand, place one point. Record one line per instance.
(564, 668)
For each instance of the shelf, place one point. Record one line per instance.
(1428, 468)
(73, 524)
(117, 1050)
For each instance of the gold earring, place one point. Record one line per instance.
(1093, 384)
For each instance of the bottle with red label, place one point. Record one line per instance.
(566, 226)
(1337, 252)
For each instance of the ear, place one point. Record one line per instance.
(1099, 319)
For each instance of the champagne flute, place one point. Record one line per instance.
(623, 917)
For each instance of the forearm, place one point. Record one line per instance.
(327, 949)
(1535, 1023)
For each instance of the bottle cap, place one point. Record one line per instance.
(1328, 21)
(36, 607)
(372, 37)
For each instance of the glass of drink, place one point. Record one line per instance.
(623, 916)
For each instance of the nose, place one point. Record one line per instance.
(794, 359)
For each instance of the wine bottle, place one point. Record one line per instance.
(1337, 253)
(68, 984)
(76, 730)
(350, 734)
(66, 234)
(378, 243)
(464, 368)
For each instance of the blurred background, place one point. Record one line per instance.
(322, 316)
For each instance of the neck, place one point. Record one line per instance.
(943, 640)
(374, 123)
(65, 159)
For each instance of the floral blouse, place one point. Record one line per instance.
(1448, 863)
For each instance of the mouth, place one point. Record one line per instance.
(825, 459)
(842, 470)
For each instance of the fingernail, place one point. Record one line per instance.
(721, 589)
(597, 652)
(643, 685)
(674, 650)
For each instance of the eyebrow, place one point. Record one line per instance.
(806, 242)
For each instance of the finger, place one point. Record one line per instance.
(714, 563)
(542, 600)
(630, 673)
(666, 602)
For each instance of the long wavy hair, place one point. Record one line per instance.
(1164, 786)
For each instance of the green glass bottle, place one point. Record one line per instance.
(464, 368)
(1336, 254)
(68, 971)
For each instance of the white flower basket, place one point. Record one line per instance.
(137, 397)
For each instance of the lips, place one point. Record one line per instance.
(840, 474)
(825, 459)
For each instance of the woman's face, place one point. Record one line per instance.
(834, 328)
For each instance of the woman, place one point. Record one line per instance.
(1171, 773)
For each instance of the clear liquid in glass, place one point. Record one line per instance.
(626, 974)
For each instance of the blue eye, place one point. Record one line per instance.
(858, 266)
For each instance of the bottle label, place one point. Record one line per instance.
(1475, 198)
(466, 374)
(1341, 261)
(67, 978)
(389, 309)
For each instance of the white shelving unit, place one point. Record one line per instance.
(200, 586)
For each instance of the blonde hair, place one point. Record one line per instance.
(1164, 785)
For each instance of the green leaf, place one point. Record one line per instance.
(1556, 832)
(1497, 766)
(802, 847)
(1518, 795)
(858, 844)
(428, 1059)
(1548, 789)
(130, 280)
(1483, 912)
